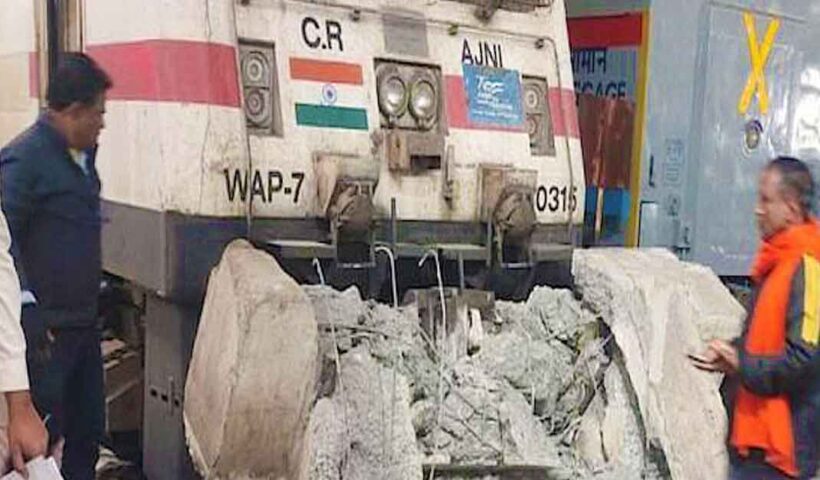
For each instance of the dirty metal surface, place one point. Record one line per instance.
(502, 472)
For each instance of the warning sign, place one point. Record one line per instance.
(759, 56)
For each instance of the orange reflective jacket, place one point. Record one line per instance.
(765, 421)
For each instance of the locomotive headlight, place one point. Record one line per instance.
(538, 123)
(533, 126)
(392, 95)
(409, 96)
(259, 87)
(533, 97)
(255, 69)
(534, 106)
(423, 101)
(257, 106)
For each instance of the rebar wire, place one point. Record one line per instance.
(318, 266)
(442, 334)
(338, 361)
(392, 260)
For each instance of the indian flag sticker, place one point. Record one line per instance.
(328, 94)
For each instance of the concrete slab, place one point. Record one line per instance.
(251, 381)
(659, 309)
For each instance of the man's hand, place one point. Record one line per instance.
(720, 356)
(28, 437)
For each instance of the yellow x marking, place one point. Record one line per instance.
(759, 56)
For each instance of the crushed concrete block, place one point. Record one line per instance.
(659, 309)
(382, 440)
(424, 417)
(610, 440)
(365, 431)
(487, 416)
(589, 444)
(536, 368)
(621, 435)
(392, 335)
(579, 386)
(334, 307)
(397, 341)
(252, 373)
(536, 348)
(327, 441)
(524, 439)
(548, 313)
(485, 421)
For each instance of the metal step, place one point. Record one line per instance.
(501, 472)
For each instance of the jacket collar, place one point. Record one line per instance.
(46, 126)
(59, 142)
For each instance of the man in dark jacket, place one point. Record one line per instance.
(775, 410)
(51, 198)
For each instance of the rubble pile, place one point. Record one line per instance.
(522, 397)
(586, 384)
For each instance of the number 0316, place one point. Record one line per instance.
(556, 198)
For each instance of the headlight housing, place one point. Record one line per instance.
(392, 95)
(533, 96)
(538, 121)
(409, 95)
(257, 107)
(257, 67)
(423, 101)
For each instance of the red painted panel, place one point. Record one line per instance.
(601, 32)
(171, 71)
(564, 113)
(456, 102)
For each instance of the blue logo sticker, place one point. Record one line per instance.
(493, 96)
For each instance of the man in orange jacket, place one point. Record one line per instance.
(775, 412)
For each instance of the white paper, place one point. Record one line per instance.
(38, 469)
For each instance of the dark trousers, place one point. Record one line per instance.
(66, 375)
(754, 468)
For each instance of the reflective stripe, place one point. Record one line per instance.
(811, 301)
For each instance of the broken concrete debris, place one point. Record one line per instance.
(609, 437)
(515, 401)
(365, 429)
(659, 309)
(558, 386)
(248, 383)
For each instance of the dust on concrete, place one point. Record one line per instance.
(537, 388)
